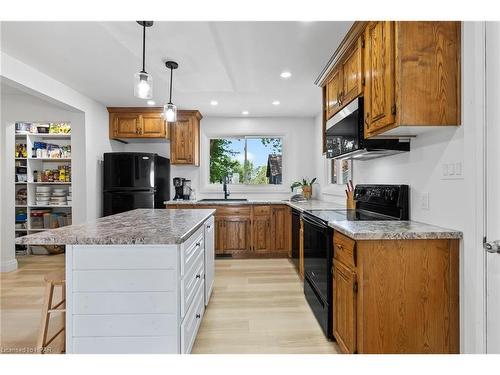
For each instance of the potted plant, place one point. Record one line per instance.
(306, 187)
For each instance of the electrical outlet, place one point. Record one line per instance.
(424, 201)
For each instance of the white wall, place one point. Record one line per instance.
(453, 203)
(27, 79)
(298, 145)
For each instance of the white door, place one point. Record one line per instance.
(493, 186)
(209, 258)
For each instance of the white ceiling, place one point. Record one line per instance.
(236, 63)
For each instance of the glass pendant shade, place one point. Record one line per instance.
(170, 112)
(143, 85)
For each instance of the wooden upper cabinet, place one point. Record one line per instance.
(352, 73)
(124, 125)
(129, 122)
(408, 72)
(185, 139)
(333, 92)
(380, 102)
(412, 72)
(344, 304)
(154, 126)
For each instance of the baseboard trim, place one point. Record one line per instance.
(8, 266)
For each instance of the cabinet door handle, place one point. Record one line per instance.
(198, 276)
(198, 316)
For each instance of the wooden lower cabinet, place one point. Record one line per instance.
(398, 296)
(236, 235)
(250, 231)
(261, 233)
(281, 228)
(344, 300)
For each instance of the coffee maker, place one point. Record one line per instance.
(179, 188)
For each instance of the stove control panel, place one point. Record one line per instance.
(385, 199)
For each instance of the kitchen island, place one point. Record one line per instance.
(136, 282)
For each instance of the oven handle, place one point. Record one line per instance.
(313, 221)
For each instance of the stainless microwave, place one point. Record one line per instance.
(345, 138)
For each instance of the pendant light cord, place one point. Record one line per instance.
(171, 76)
(144, 47)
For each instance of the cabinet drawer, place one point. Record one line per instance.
(344, 249)
(192, 321)
(191, 249)
(234, 211)
(261, 210)
(191, 282)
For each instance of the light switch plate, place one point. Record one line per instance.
(424, 201)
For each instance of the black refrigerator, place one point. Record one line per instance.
(135, 180)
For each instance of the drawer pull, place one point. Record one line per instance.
(198, 316)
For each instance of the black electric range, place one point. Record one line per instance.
(373, 203)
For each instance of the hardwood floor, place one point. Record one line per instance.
(22, 294)
(257, 306)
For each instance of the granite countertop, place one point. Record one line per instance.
(137, 227)
(392, 230)
(312, 204)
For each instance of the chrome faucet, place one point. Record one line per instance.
(225, 180)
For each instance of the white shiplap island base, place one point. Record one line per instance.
(143, 293)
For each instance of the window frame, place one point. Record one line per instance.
(207, 187)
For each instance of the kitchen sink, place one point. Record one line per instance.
(224, 200)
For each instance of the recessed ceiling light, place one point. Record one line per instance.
(214, 102)
(244, 112)
(276, 102)
(285, 74)
(151, 102)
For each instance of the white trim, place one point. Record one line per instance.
(472, 255)
(8, 266)
(207, 187)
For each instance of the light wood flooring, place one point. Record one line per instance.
(21, 301)
(257, 306)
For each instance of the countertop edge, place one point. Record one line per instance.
(73, 240)
(188, 234)
(429, 235)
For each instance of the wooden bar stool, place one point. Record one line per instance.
(52, 280)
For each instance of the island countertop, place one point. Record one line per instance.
(137, 227)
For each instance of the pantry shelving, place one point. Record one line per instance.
(43, 179)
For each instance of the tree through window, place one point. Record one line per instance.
(247, 160)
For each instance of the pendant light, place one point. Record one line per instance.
(143, 82)
(169, 109)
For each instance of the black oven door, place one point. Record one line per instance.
(318, 254)
(344, 131)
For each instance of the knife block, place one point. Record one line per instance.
(350, 203)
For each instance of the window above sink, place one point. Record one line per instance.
(247, 160)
